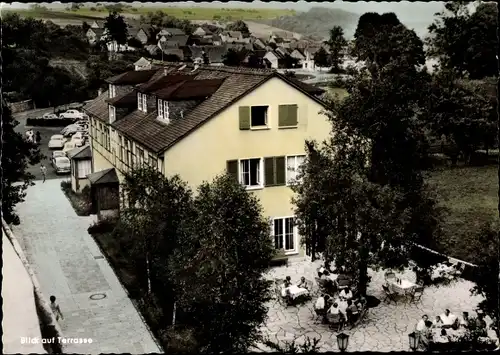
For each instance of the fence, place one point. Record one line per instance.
(49, 326)
(21, 106)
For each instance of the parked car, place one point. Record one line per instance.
(58, 153)
(68, 146)
(61, 165)
(74, 114)
(78, 139)
(49, 116)
(72, 129)
(57, 141)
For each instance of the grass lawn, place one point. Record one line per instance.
(471, 196)
(188, 13)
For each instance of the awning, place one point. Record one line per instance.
(105, 176)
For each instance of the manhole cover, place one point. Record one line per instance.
(97, 296)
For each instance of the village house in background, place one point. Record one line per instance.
(167, 117)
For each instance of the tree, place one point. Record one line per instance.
(75, 6)
(219, 280)
(337, 45)
(382, 39)
(465, 42)
(231, 58)
(154, 228)
(238, 25)
(17, 155)
(159, 19)
(321, 58)
(116, 28)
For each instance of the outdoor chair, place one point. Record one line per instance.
(417, 293)
(335, 321)
(389, 295)
(320, 314)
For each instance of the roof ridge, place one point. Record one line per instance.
(225, 69)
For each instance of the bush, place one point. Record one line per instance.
(80, 202)
(106, 225)
(93, 9)
(56, 122)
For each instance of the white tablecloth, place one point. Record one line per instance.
(404, 287)
(295, 291)
(332, 277)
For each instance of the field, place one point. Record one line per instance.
(188, 13)
(470, 194)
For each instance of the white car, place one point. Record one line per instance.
(49, 116)
(74, 114)
(57, 154)
(68, 146)
(62, 165)
(57, 141)
(78, 139)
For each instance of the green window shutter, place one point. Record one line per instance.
(269, 172)
(244, 117)
(280, 169)
(232, 168)
(287, 116)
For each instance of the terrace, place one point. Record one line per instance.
(385, 327)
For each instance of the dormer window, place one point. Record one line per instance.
(112, 114)
(112, 90)
(163, 110)
(142, 102)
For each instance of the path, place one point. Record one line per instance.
(70, 266)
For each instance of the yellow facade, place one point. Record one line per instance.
(203, 154)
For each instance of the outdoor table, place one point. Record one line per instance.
(295, 291)
(405, 287)
(332, 277)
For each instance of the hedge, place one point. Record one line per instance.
(55, 122)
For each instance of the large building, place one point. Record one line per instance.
(200, 121)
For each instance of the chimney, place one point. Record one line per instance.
(182, 113)
(165, 72)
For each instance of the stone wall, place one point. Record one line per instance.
(21, 106)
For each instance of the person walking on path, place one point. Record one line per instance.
(55, 308)
(43, 169)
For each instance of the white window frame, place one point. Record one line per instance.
(144, 103)
(260, 173)
(112, 113)
(288, 174)
(166, 111)
(294, 234)
(160, 108)
(139, 101)
(112, 90)
(267, 125)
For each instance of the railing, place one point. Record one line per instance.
(50, 328)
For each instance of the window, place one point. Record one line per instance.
(160, 108)
(283, 230)
(162, 166)
(258, 116)
(139, 101)
(250, 172)
(144, 103)
(293, 164)
(84, 168)
(153, 162)
(122, 149)
(128, 157)
(140, 156)
(112, 113)
(112, 91)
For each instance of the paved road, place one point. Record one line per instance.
(70, 266)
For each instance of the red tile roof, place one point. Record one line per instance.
(132, 77)
(218, 87)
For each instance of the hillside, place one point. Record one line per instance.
(317, 22)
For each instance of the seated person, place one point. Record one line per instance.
(321, 270)
(361, 302)
(335, 313)
(448, 318)
(438, 323)
(320, 304)
(443, 337)
(303, 283)
(352, 312)
(346, 294)
(288, 282)
(324, 275)
(492, 333)
(481, 323)
(420, 327)
(426, 335)
(464, 320)
(284, 290)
